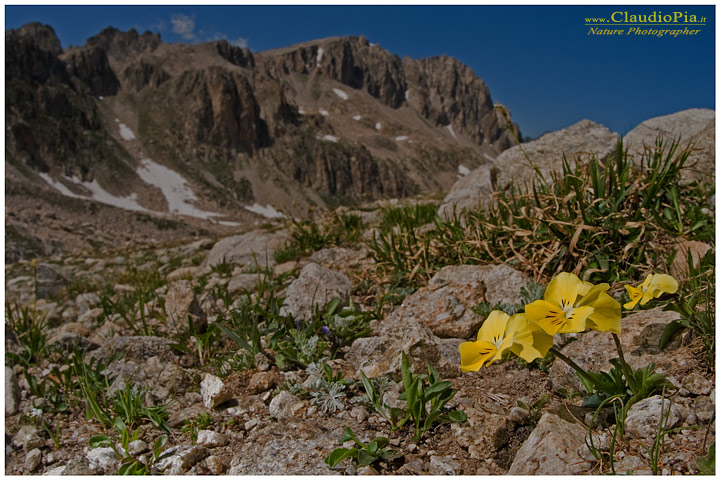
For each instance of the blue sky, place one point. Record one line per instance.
(539, 61)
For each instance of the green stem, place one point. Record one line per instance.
(625, 367)
(580, 371)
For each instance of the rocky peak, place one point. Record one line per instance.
(241, 57)
(117, 43)
(43, 36)
(31, 53)
(92, 67)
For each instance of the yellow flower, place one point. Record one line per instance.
(558, 312)
(529, 340)
(653, 286)
(493, 339)
(606, 313)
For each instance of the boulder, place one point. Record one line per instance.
(255, 248)
(315, 285)
(552, 449)
(468, 192)
(694, 127)
(181, 303)
(680, 268)
(644, 417)
(214, 391)
(639, 337)
(51, 280)
(12, 392)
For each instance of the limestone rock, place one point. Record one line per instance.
(249, 249)
(443, 465)
(32, 460)
(679, 267)
(643, 418)
(281, 405)
(245, 282)
(578, 142)
(27, 438)
(695, 126)
(214, 392)
(179, 459)
(552, 449)
(338, 258)
(180, 302)
(51, 279)
(468, 192)
(210, 439)
(103, 460)
(262, 382)
(137, 348)
(640, 335)
(315, 285)
(12, 392)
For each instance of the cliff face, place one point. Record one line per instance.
(331, 121)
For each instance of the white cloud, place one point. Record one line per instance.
(183, 25)
(240, 42)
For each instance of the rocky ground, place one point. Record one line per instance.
(248, 421)
(246, 354)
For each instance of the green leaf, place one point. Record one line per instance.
(99, 441)
(365, 458)
(706, 464)
(436, 389)
(348, 435)
(338, 454)
(234, 337)
(382, 442)
(369, 388)
(407, 375)
(669, 331)
(592, 401)
(455, 416)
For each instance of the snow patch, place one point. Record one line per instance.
(319, 55)
(407, 94)
(101, 97)
(101, 195)
(452, 132)
(357, 117)
(323, 112)
(117, 120)
(401, 138)
(126, 133)
(378, 126)
(488, 157)
(59, 186)
(340, 93)
(177, 192)
(266, 211)
(463, 170)
(330, 138)
(301, 111)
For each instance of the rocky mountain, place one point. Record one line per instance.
(210, 137)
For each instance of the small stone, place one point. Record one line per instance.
(180, 302)
(367, 471)
(137, 447)
(443, 465)
(50, 280)
(250, 424)
(262, 362)
(211, 439)
(262, 382)
(643, 417)
(518, 415)
(283, 268)
(704, 409)
(193, 397)
(216, 465)
(32, 460)
(281, 405)
(182, 458)
(103, 459)
(697, 384)
(12, 392)
(27, 438)
(213, 391)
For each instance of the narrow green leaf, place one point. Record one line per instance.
(338, 454)
(99, 441)
(365, 458)
(669, 331)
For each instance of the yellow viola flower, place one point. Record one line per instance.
(492, 340)
(653, 286)
(529, 340)
(558, 312)
(606, 313)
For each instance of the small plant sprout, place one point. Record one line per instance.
(363, 453)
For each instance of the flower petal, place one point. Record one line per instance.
(547, 315)
(635, 295)
(531, 343)
(493, 328)
(607, 313)
(563, 289)
(576, 320)
(474, 354)
(662, 283)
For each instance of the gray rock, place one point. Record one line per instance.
(103, 460)
(255, 248)
(315, 285)
(695, 126)
(704, 409)
(644, 417)
(469, 192)
(639, 337)
(262, 382)
(85, 301)
(445, 304)
(181, 303)
(282, 405)
(178, 418)
(32, 460)
(518, 415)
(443, 465)
(136, 447)
(210, 439)
(216, 464)
(182, 273)
(12, 392)
(213, 391)
(137, 348)
(51, 279)
(552, 449)
(697, 384)
(27, 438)
(88, 318)
(245, 282)
(580, 141)
(339, 258)
(76, 466)
(181, 458)
(679, 267)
